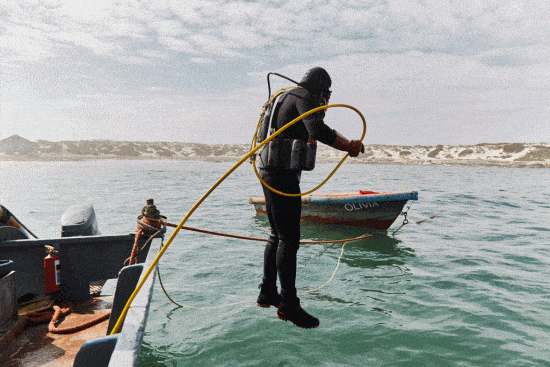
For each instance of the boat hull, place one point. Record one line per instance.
(364, 209)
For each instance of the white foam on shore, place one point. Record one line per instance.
(501, 154)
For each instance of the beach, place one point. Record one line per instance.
(518, 155)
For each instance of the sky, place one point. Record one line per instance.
(421, 72)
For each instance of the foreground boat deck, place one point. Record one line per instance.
(35, 346)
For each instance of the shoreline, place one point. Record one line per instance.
(439, 162)
(511, 155)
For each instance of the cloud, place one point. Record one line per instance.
(517, 56)
(177, 45)
(440, 98)
(271, 29)
(413, 64)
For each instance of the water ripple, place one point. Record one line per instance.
(467, 288)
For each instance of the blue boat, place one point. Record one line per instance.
(369, 209)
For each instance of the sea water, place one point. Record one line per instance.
(468, 287)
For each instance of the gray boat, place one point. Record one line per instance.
(83, 279)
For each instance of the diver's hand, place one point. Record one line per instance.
(355, 147)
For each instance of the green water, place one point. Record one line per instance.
(469, 287)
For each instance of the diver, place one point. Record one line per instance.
(284, 211)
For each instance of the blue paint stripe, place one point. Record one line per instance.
(397, 196)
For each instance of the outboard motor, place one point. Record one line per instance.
(79, 220)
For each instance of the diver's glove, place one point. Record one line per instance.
(353, 147)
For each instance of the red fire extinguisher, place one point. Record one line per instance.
(51, 273)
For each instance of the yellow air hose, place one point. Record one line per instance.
(124, 312)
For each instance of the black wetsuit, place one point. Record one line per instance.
(284, 211)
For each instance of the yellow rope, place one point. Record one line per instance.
(242, 302)
(124, 312)
(332, 276)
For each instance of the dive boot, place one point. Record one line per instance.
(295, 313)
(266, 300)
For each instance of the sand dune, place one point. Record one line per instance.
(489, 154)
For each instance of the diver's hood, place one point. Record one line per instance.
(316, 80)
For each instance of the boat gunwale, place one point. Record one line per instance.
(130, 338)
(62, 240)
(350, 197)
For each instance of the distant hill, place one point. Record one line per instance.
(497, 154)
(17, 145)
